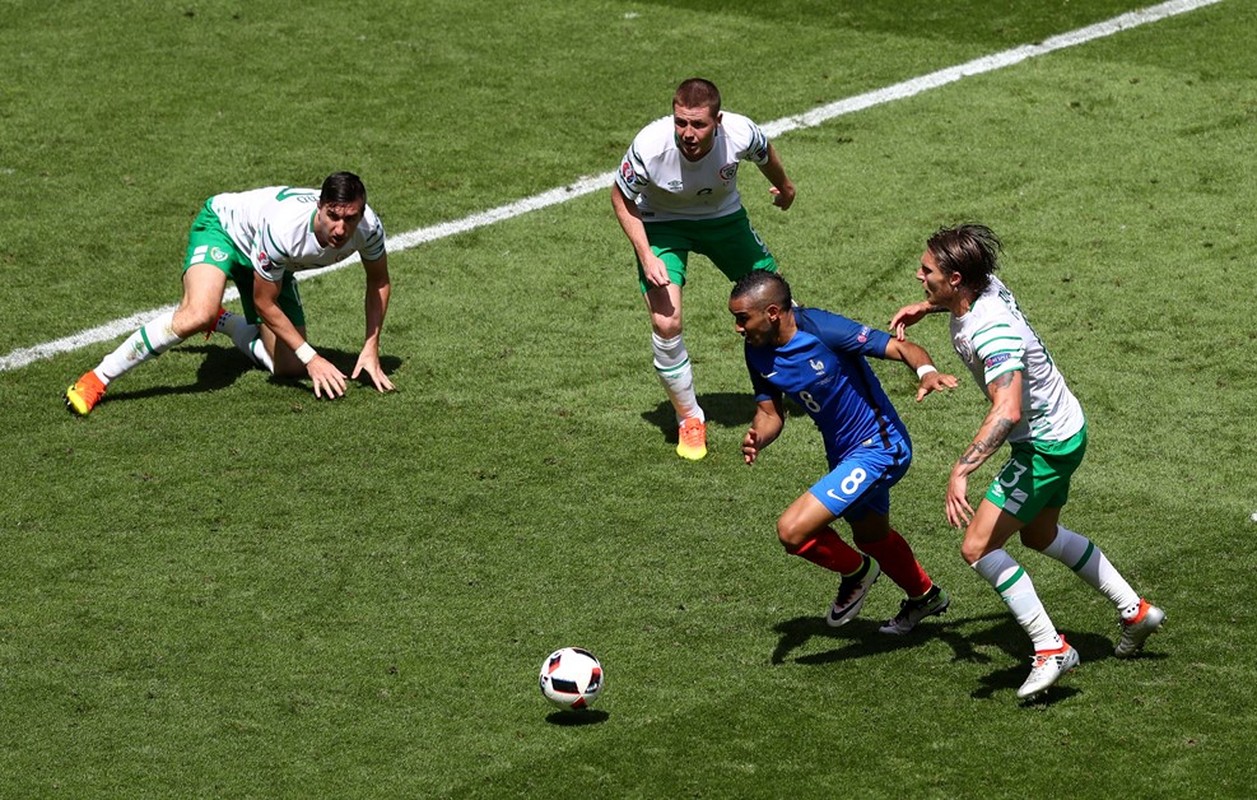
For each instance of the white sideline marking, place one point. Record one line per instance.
(809, 119)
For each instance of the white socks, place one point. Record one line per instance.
(148, 342)
(1082, 556)
(672, 362)
(246, 338)
(1017, 591)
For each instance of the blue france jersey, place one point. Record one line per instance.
(823, 369)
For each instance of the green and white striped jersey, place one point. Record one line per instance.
(274, 227)
(995, 338)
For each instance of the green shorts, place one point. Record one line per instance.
(1037, 475)
(209, 244)
(730, 242)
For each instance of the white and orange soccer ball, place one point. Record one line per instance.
(572, 678)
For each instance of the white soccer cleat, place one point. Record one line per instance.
(1047, 667)
(1136, 631)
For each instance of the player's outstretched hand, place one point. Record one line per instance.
(371, 365)
(908, 315)
(328, 381)
(750, 446)
(783, 198)
(959, 512)
(935, 382)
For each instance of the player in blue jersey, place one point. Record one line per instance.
(818, 359)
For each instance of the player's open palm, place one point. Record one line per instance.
(936, 382)
(371, 366)
(328, 381)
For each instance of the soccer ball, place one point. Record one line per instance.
(571, 678)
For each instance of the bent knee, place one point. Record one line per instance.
(972, 552)
(188, 320)
(791, 535)
(666, 327)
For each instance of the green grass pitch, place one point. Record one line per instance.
(218, 586)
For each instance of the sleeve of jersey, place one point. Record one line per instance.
(1000, 349)
(632, 177)
(756, 150)
(268, 256)
(843, 335)
(373, 248)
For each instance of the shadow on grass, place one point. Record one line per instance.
(725, 409)
(861, 638)
(590, 716)
(223, 366)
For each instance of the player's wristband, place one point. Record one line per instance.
(922, 371)
(306, 353)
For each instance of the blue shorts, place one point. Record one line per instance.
(860, 483)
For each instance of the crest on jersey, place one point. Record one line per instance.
(628, 173)
(818, 365)
(218, 254)
(728, 172)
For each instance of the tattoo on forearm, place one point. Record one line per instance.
(979, 450)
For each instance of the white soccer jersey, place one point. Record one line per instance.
(274, 227)
(994, 338)
(667, 186)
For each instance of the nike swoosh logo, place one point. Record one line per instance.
(830, 492)
(769, 375)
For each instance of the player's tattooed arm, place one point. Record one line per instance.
(980, 450)
(1004, 415)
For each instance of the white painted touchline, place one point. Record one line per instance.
(809, 119)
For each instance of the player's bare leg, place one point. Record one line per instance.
(672, 363)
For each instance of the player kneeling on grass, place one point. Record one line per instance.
(258, 239)
(818, 359)
(1035, 411)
